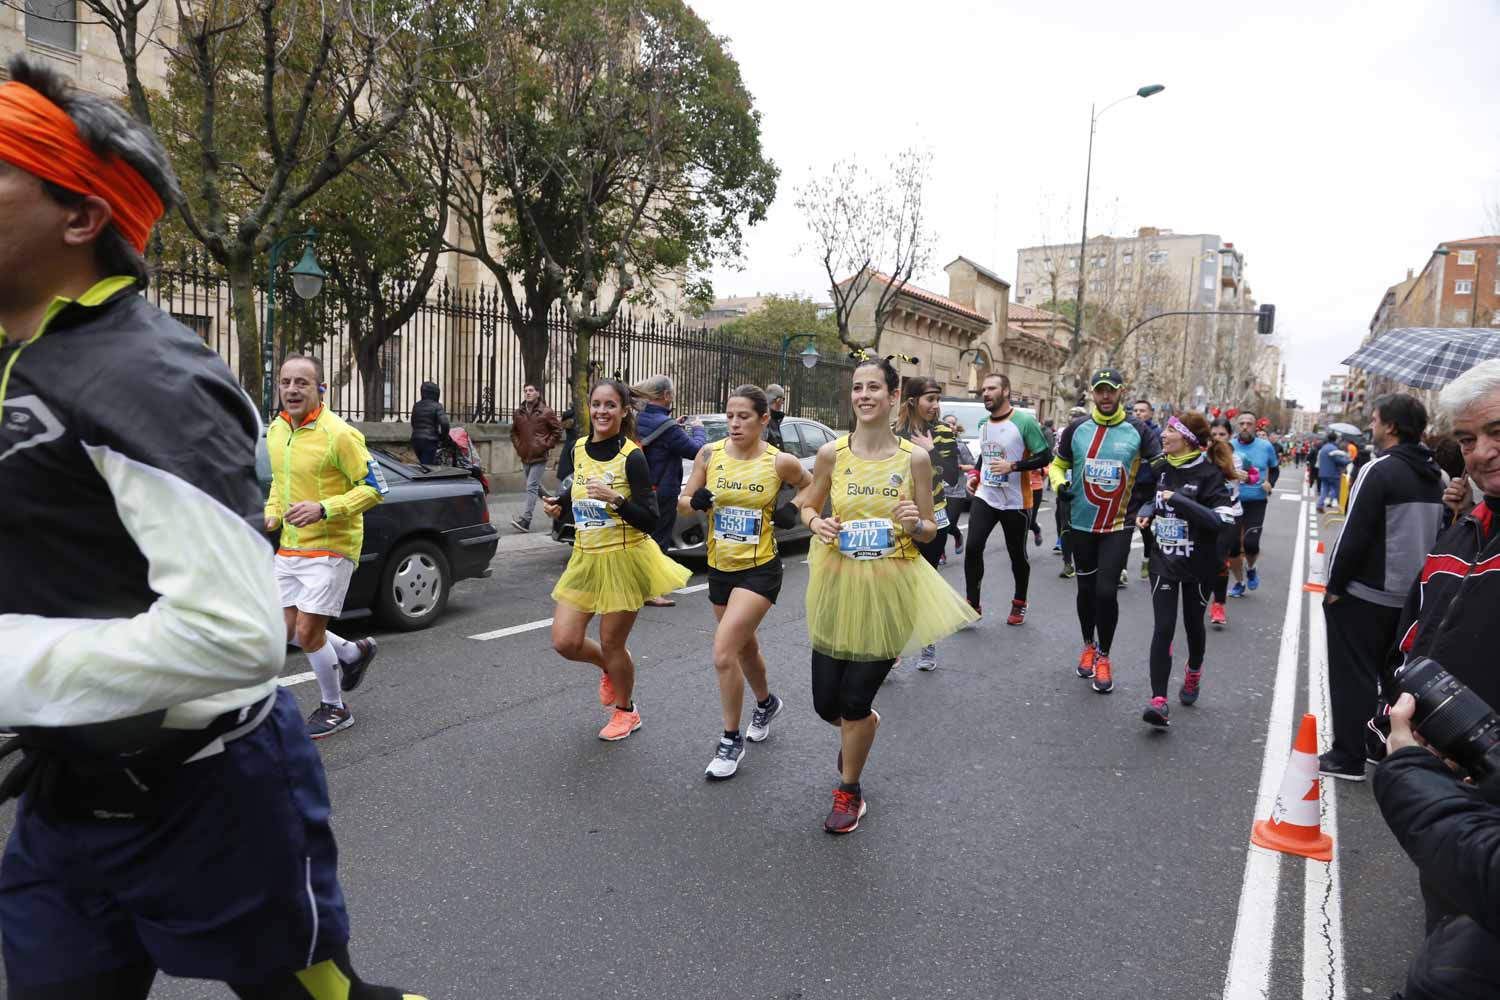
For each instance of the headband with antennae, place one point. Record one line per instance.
(910, 359)
(859, 354)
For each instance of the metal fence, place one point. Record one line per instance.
(463, 340)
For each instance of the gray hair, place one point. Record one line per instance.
(653, 387)
(109, 131)
(1469, 388)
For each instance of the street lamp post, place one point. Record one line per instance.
(1147, 91)
(808, 354)
(307, 282)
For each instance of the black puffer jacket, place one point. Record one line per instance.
(429, 421)
(1451, 831)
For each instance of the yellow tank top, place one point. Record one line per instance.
(741, 535)
(596, 527)
(863, 494)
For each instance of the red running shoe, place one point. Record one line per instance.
(1086, 661)
(848, 810)
(1104, 683)
(1216, 616)
(1017, 613)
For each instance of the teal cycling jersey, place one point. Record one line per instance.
(1101, 462)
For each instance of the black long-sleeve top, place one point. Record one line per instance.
(639, 510)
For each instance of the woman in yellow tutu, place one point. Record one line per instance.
(870, 597)
(615, 565)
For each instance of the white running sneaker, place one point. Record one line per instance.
(927, 659)
(726, 760)
(760, 720)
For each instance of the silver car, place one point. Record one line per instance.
(800, 437)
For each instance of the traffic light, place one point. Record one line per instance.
(1265, 323)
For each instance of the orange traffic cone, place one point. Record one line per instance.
(1295, 823)
(1317, 579)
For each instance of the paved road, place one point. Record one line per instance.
(1026, 837)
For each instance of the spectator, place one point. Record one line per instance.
(534, 431)
(1331, 461)
(1425, 806)
(429, 424)
(570, 435)
(776, 395)
(1395, 511)
(667, 446)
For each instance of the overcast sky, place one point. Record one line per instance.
(1334, 143)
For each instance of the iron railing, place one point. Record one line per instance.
(462, 339)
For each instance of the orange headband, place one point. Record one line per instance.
(38, 137)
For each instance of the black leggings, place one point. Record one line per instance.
(1063, 517)
(982, 521)
(845, 689)
(1226, 546)
(1100, 560)
(956, 507)
(1254, 519)
(933, 551)
(1164, 606)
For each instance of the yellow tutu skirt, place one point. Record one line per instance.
(618, 579)
(878, 609)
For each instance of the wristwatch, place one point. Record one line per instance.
(325, 512)
(617, 503)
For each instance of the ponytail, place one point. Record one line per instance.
(1223, 456)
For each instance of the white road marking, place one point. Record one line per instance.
(1255, 925)
(1294, 498)
(1322, 900)
(501, 633)
(288, 681)
(692, 590)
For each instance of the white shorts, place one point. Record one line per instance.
(314, 584)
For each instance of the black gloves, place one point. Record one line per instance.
(786, 515)
(702, 500)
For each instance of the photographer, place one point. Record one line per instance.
(1451, 831)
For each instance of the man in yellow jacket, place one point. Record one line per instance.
(322, 481)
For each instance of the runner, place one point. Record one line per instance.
(1011, 444)
(1063, 516)
(172, 815)
(918, 423)
(1192, 507)
(1220, 430)
(1145, 412)
(1101, 456)
(1262, 468)
(615, 565)
(869, 597)
(735, 483)
(322, 481)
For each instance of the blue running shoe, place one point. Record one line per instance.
(1238, 590)
(1252, 578)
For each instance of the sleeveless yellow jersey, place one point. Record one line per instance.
(863, 495)
(596, 527)
(741, 535)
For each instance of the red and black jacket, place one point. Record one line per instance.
(1461, 575)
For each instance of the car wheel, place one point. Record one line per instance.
(414, 586)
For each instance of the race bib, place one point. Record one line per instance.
(1103, 473)
(1170, 531)
(991, 451)
(940, 517)
(591, 515)
(874, 538)
(737, 524)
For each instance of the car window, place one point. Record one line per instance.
(791, 438)
(715, 430)
(813, 438)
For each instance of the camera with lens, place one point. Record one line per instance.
(1454, 721)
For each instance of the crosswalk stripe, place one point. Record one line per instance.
(691, 590)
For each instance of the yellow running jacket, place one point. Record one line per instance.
(325, 460)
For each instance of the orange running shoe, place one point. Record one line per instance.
(606, 690)
(1104, 683)
(621, 725)
(1086, 661)
(848, 809)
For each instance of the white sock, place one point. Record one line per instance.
(325, 664)
(346, 651)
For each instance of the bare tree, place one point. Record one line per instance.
(268, 101)
(869, 231)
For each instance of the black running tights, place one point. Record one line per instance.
(845, 689)
(956, 507)
(1100, 559)
(1227, 545)
(1015, 524)
(1164, 602)
(1063, 514)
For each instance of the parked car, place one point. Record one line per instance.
(971, 414)
(800, 437)
(431, 531)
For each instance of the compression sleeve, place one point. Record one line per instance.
(640, 511)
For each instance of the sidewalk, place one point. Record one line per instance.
(504, 506)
